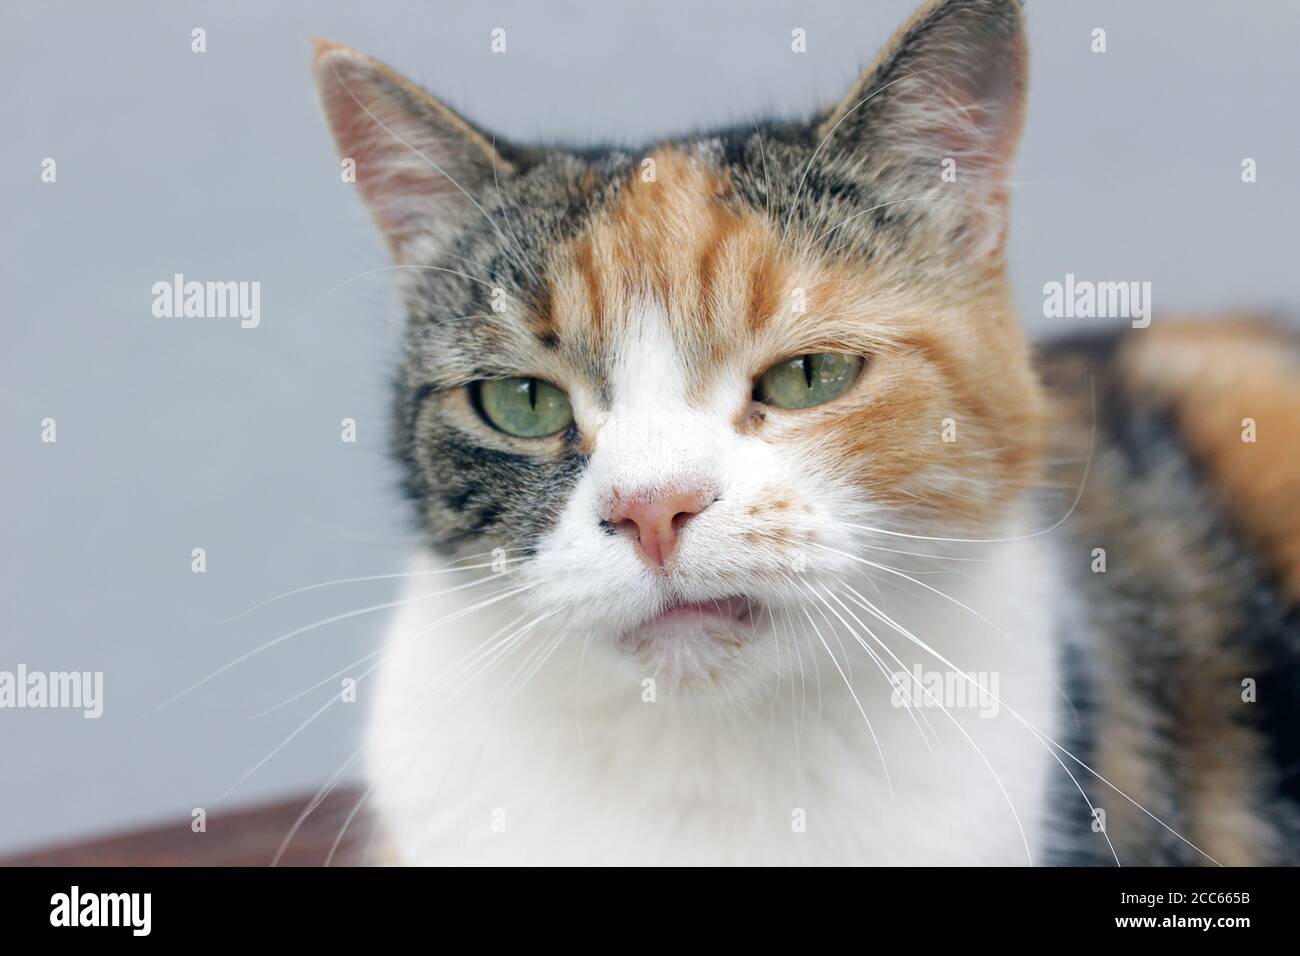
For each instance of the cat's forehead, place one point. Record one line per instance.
(674, 235)
(580, 263)
(677, 239)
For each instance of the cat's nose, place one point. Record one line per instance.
(656, 519)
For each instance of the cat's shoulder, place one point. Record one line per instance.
(1175, 456)
(1224, 392)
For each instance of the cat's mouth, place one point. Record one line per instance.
(692, 640)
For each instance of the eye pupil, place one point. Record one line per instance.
(808, 380)
(523, 407)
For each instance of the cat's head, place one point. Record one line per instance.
(681, 385)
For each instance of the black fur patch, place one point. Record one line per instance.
(1144, 484)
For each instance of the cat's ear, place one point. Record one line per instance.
(422, 169)
(943, 105)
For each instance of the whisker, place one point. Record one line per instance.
(311, 627)
(448, 568)
(495, 651)
(370, 272)
(1036, 732)
(387, 645)
(794, 203)
(894, 202)
(451, 179)
(334, 698)
(925, 690)
(317, 799)
(933, 590)
(1083, 481)
(948, 597)
(338, 840)
(861, 710)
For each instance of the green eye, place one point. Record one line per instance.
(808, 380)
(525, 407)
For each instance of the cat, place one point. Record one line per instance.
(757, 532)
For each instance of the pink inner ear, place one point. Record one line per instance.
(394, 149)
(995, 100)
(975, 97)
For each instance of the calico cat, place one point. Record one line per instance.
(758, 534)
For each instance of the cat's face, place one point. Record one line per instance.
(680, 386)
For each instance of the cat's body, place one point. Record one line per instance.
(754, 536)
(1183, 660)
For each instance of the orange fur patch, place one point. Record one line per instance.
(673, 240)
(1218, 376)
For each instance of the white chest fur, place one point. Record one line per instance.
(481, 759)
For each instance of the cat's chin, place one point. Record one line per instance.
(688, 643)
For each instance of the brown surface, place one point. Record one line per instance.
(244, 838)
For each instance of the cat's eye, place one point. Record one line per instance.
(524, 407)
(808, 380)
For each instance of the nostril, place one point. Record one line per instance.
(682, 517)
(623, 520)
(654, 520)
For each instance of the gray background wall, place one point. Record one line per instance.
(176, 434)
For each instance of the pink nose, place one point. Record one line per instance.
(657, 518)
